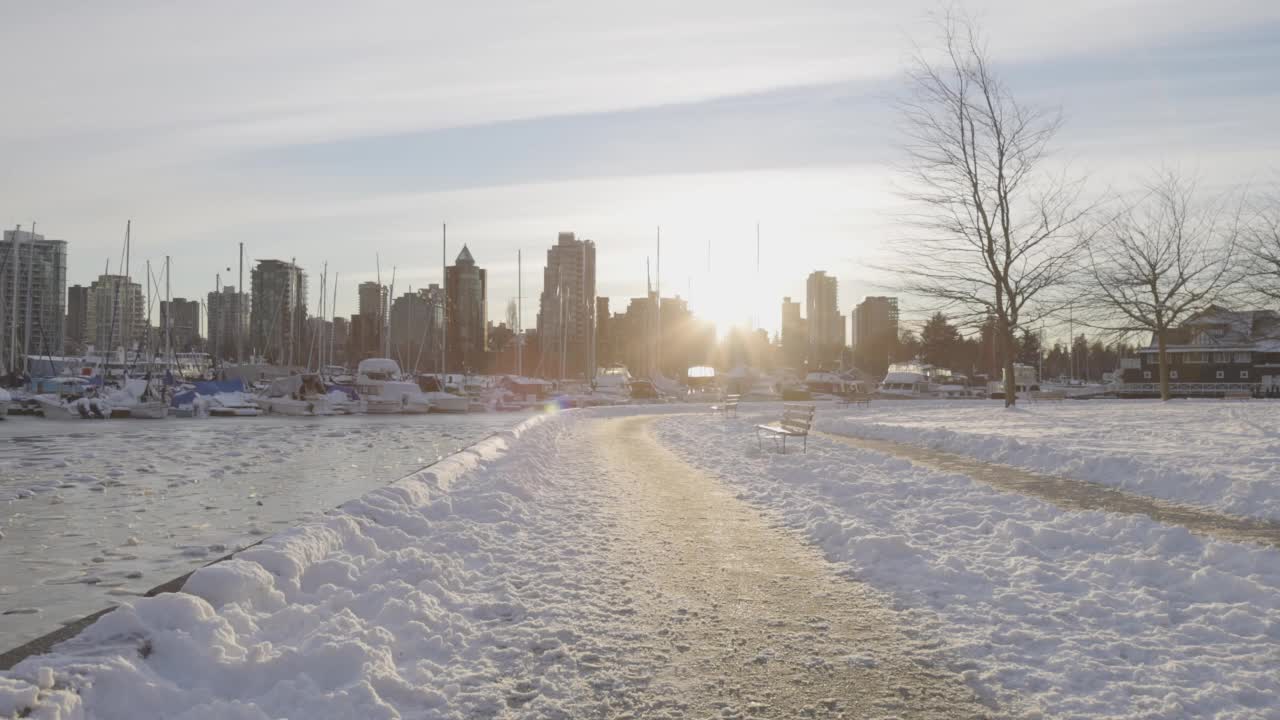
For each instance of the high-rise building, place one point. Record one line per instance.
(466, 314)
(228, 323)
(794, 337)
(278, 312)
(370, 320)
(77, 319)
(875, 331)
(115, 317)
(41, 266)
(567, 308)
(184, 332)
(606, 352)
(417, 329)
(826, 324)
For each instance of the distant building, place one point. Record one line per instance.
(184, 333)
(1212, 352)
(466, 314)
(606, 353)
(566, 308)
(370, 320)
(42, 294)
(417, 329)
(825, 323)
(875, 333)
(278, 312)
(115, 317)
(77, 326)
(227, 322)
(795, 337)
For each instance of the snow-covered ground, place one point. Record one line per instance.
(490, 586)
(1218, 454)
(93, 512)
(1062, 614)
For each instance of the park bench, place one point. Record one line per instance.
(728, 406)
(1048, 396)
(1237, 395)
(796, 421)
(855, 398)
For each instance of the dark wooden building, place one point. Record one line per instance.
(1214, 352)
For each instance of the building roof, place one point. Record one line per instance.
(1219, 328)
(465, 257)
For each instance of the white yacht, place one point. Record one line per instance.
(298, 395)
(441, 400)
(379, 384)
(827, 385)
(912, 380)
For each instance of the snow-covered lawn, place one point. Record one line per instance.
(1213, 453)
(1064, 614)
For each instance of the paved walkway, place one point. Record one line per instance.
(1073, 494)
(755, 622)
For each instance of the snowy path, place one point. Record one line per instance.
(756, 622)
(1073, 494)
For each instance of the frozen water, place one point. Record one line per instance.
(154, 500)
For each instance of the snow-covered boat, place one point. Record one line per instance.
(297, 395)
(233, 404)
(5, 399)
(908, 380)
(149, 410)
(378, 382)
(441, 401)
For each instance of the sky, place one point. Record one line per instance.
(348, 134)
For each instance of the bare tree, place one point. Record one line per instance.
(1261, 251)
(1158, 260)
(996, 228)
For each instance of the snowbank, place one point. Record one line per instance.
(1063, 614)
(1205, 452)
(404, 600)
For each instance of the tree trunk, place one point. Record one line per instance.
(1009, 353)
(1164, 365)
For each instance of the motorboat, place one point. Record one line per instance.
(909, 380)
(5, 399)
(827, 386)
(441, 401)
(297, 395)
(378, 382)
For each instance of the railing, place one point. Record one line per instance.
(1176, 388)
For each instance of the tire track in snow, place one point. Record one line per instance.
(757, 624)
(1071, 494)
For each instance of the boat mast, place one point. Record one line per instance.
(657, 337)
(147, 340)
(217, 291)
(26, 334)
(168, 320)
(13, 305)
(519, 308)
(386, 321)
(240, 311)
(125, 330)
(334, 314)
(444, 305)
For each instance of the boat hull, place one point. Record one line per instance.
(149, 411)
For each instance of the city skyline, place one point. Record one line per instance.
(344, 148)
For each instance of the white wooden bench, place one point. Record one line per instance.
(796, 422)
(1237, 395)
(1048, 396)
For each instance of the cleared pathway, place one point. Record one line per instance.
(755, 622)
(1073, 494)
